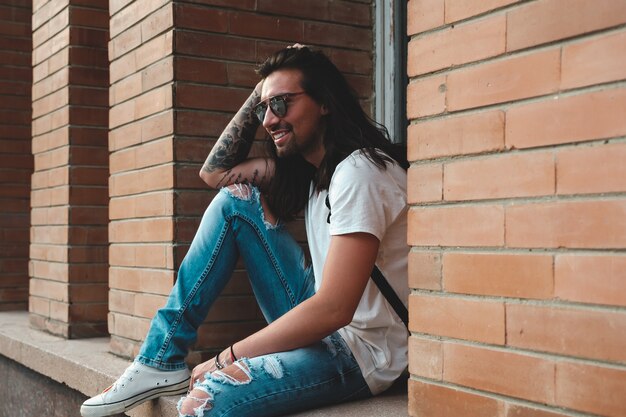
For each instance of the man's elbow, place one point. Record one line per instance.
(208, 178)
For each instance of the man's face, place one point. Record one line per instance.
(301, 129)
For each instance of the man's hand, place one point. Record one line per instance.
(197, 375)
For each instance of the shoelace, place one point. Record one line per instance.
(126, 377)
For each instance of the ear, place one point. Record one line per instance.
(325, 110)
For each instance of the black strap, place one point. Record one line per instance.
(383, 286)
(391, 296)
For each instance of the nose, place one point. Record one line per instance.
(270, 119)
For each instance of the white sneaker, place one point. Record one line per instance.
(138, 384)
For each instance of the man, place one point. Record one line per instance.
(331, 335)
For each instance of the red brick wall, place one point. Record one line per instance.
(16, 162)
(516, 137)
(178, 73)
(68, 240)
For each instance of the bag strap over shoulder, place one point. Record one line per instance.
(383, 286)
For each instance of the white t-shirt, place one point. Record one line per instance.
(365, 198)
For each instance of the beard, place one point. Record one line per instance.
(297, 145)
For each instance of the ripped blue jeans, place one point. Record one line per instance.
(277, 384)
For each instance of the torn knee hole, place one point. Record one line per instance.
(242, 191)
(237, 373)
(195, 404)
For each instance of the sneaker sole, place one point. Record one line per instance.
(132, 402)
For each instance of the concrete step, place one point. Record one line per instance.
(87, 367)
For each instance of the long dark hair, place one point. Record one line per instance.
(348, 128)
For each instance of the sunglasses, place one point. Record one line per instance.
(277, 104)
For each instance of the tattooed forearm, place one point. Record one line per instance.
(235, 142)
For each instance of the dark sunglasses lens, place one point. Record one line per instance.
(279, 106)
(260, 110)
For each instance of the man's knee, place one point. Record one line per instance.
(248, 192)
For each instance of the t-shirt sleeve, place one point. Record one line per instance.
(364, 198)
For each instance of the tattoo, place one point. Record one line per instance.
(235, 142)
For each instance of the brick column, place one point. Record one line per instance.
(68, 252)
(517, 188)
(178, 73)
(16, 161)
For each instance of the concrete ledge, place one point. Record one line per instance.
(87, 367)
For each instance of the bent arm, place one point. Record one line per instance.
(227, 162)
(348, 267)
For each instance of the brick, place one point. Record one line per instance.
(126, 88)
(160, 21)
(141, 255)
(462, 9)
(501, 176)
(517, 410)
(567, 224)
(337, 35)
(52, 83)
(51, 46)
(142, 156)
(150, 179)
(456, 135)
(81, 36)
(426, 357)
(145, 230)
(51, 28)
(214, 46)
(192, 150)
(230, 309)
(50, 102)
(595, 389)
(481, 321)
(426, 97)
(571, 332)
(46, 11)
(193, 123)
(429, 400)
(50, 216)
(146, 305)
(49, 270)
(595, 279)
(206, 71)
(423, 15)
(508, 373)
(131, 14)
(586, 116)
(88, 254)
(457, 45)
(498, 274)
(309, 10)
(591, 169)
(153, 281)
(46, 252)
(88, 215)
(351, 61)
(148, 53)
(594, 61)
(550, 20)
(194, 202)
(425, 183)
(160, 203)
(134, 328)
(351, 13)
(208, 97)
(504, 80)
(269, 27)
(481, 225)
(425, 270)
(93, 18)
